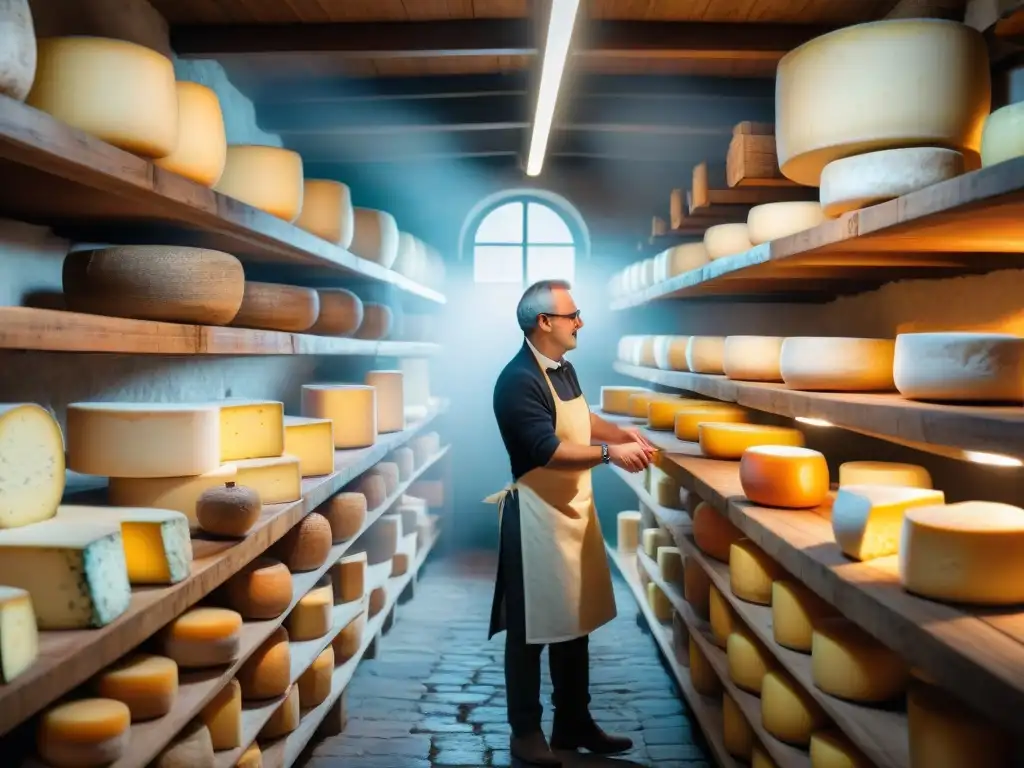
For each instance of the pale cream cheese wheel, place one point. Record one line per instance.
(837, 364)
(268, 178)
(960, 367)
(376, 237)
(1003, 136)
(202, 148)
(327, 211)
(774, 220)
(724, 240)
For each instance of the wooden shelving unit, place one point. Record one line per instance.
(89, 190)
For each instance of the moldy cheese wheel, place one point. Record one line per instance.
(201, 151)
(784, 476)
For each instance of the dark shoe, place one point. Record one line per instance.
(589, 737)
(533, 749)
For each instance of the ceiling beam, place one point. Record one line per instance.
(928, 9)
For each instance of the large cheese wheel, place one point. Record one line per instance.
(723, 240)
(390, 400)
(851, 183)
(640, 402)
(311, 616)
(831, 749)
(883, 473)
(945, 733)
(119, 92)
(737, 735)
(268, 178)
(1003, 136)
(722, 440)
(202, 147)
(774, 220)
(784, 476)
(32, 455)
(688, 420)
(904, 82)
(670, 353)
(376, 236)
(795, 612)
(752, 358)
(172, 283)
(837, 364)
(787, 711)
(661, 414)
(346, 514)
(749, 660)
(277, 307)
(644, 352)
(723, 618)
(615, 400)
(686, 257)
(341, 313)
(960, 367)
(867, 520)
(751, 572)
(706, 354)
(696, 587)
(203, 637)
(703, 676)
(348, 642)
(628, 531)
(351, 407)
(17, 49)
(849, 663)
(378, 321)
(971, 552)
(327, 211)
(713, 532)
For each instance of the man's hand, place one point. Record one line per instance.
(631, 457)
(636, 436)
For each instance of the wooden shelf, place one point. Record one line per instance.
(58, 331)
(69, 658)
(91, 191)
(708, 711)
(970, 224)
(997, 429)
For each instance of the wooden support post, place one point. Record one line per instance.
(658, 226)
(373, 648)
(410, 590)
(676, 209)
(389, 621)
(335, 720)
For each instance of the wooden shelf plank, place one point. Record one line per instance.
(64, 178)
(998, 429)
(58, 331)
(69, 658)
(965, 225)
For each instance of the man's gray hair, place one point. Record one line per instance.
(538, 299)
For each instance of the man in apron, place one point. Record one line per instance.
(553, 586)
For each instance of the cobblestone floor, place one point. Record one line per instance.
(436, 696)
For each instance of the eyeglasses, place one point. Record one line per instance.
(574, 316)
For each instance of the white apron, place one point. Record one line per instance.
(567, 586)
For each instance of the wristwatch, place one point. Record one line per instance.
(605, 456)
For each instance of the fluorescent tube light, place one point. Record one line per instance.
(556, 51)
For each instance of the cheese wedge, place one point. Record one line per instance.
(251, 429)
(277, 480)
(311, 441)
(867, 520)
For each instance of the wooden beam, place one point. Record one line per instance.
(928, 9)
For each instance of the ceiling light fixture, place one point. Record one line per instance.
(992, 459)
(814, 422)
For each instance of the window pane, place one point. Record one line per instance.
(502, 225)
(545, 262)
(498, 264)
(546, 226)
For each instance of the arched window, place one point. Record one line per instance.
(521, 241)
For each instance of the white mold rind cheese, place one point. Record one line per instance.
(837, 364)
(960, 367)
(752, 358)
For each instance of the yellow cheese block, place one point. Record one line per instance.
(960, 367)
(285, 718)
(276, 307)
(696, 587)
(654, 538)
(774, 220)
(268, 178)
(311, 616)
(722, 440)
(703, 676)
(251, 758)
(784, 476)
(315, 683)
(787, 711)
(352, 408)
(867, 520)
(883, 473)
(724, 620)
(19, 635)
(615, 400)
(971, 552)
(251, 429)
(749, 660)
(277, 480)
(688, 420)
(723, 240)
(737, 735)
(390, 400)
(680, 640)
(32, 454)
(945, 733)
(670, 352)
(670, 565)
(849, 663)
(117, 91)
(835, 364)
(202, 147)
(176, 493)
(348, 642)
(311, 441)
(376, 236)
(752, 358)
(759, 758)
(795, 612)
(659, 603)
(751, 572)
(713, 533)
(327, 211)
(831, 749)
(305, 547)
(346, 514)
(706, 354)
(348, 578)
(661, 414)
(203, 637)
(628, 531)
(85, 732)
(1003, 136)
(147, 684)
(223, 717)
(267, 673)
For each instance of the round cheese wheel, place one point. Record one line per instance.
(706, 354)
(267, 673)
(348, 642)
(795, 612)
(905, 82)
(405, 460)
(222, 716)
(849, 663)
(203, 637)
(261, 590)
(83, 733)
(722, 440)
(713, 533)
(352, 409)
(327, 211)
(661, 414)
(311, 616)
(831, 749)
(784, 476)
(377, 601)
(202, 147)
(659, 603)
(723, 618)
(341, 313)
(1003, 136)
(117, 91)
(276, 307)
(376, 236)
(628, 529)
(171, 283)
(971, 552)
(306, 546)
(348, 577)
(855, 182)
(689, 420)
(268, 178)
(615, 400)
(787, 711)
(960, 367)
(837, 364)
(723, 240)
(30, 440)
(345, 513)
(759, 758)
(228, 510)
(686, 257)
(749, 661)
(703, 676)
(644, 352)
(883, 473)
(944, 733)
(285, 718)
(378, 320)
(751, 572)
(737, 735)
(17, 49)
(670, 353)
(315, 683)
(372, 487)
(191, 748)
(389, 471)
(774, 220)
(147, 684)
(752, 358)
(696, 587)
(640, 402)
(412, 256)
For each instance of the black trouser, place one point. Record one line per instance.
(569, 662)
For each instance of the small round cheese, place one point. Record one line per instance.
(971, 552)
(327, 211)
(83, 733)
(696, 587)
(640, 402)
(147, 684)
(795, 612)
(1003, 136)
(228, 510)
(376, 237)
(722, 440)
(311, 616)
(315, 683)
(201, 151)
(784, 476)
(689, 420)
(341, 313)
(348, 642)
(17, 49)
(703, 676)
(867, 520)
(706, 354)
(628, 531)
(713, 533)
(659, 603)
(837, 364)
(32, 454)
(723, 618)
(883, 473)
(306, 546)
(274, 307)
(203, 637)
(286, 717)
(268, 178)
(960, 367)
(850, 664)
(372, 487)
(661, 414)
(345, 513)
(267, 673)
(670, 565)
(787, 711)
(831, 749)
(749, 661)
(654, 538)
(774, 220)
(945, 733)
(261, 590)
(752, 358)
(686, 258)
(737, 735)
(723, 240)
(352, 408)
(751, 572)
(222, 716)
(378, 322)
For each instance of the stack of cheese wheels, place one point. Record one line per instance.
(911, 85)
(1003, 137)
(883, 473)
(752, 358)
(784, 476)
(850, 664)
(837, 364)
(724, 440)
(661, 412)
(615, 400)
(787, 711)
(268, 178)
(867, 520)
(960, 367)
(352, 409)
(327, 211)
(117, 91)
(749, 660)
(202, 147)
(774, 220)
(706, 354)
(689, 419)
(686, 258)
(670, 353)
(17, 49)
(723, 240)
(390, 400)
(376, 236)
(276, 307)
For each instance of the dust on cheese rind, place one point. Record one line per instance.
(723, 240)
(703, 676)
(850, 664)
(32, 452)
(277, 480)
(784, 476)
(725, 440)
(832, 749)
(795, 611)
(223, 717)
(176, 493)
(752, 358)
(723, 618)
(251, 429)
(867, 520)
(748, 659)
(1003, 136)
(147, 684)
(737, 735)
(787, 711)
(705, 354)
(688, 420)
(390, 399)
(75, 572)
(960, 367)
(352, 409)
(883, 473)
(19, 635)
(774, 220)
(751, 572)
(268, 178)
(157, 545)
(311, 616)
(201, 150)
(837, 364)
(327, 211)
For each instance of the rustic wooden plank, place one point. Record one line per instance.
(751, 160)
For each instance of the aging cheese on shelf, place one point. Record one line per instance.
(670, 352)
(203, 637)
(223, 717)
(83, 733)
(852, 183)
(971, 552)
(752, 358)
(261, 590)
(170, 283)
(380, 541)
(689, 420)
(311, 616)
(737, 735)
(315, 683)
(703, 676)
(670, 565)
(371, 486)
(706, 354)
(18, 46)
(390, 400)
(376, 237)
(659, 603)
(348, 578)
(723, 240)
(751, 572)
(774, 220)
(147, 684)
(945, 733)
(285, 718)
(831, 749)
(191, 748)
(378, 321)
(251, 429)
(142, 439)
(1003, 136)
(400, 563)
(352, 409)
(347, 643)
(253, 757)
(327, 211)
(661, 413)
(787, 711)
(749, 660)
(157, 546)
(680, 640)
(346, 513)
(883, 473)
(906, 82)
(849, 663)
(180, 494)
(341, 313)
(696, 587)
(74, 572)
(268, 178)
(277, 480)
(759, 758)
(32, 454)
(267, 673)
(960, 367)
(723, 440)
(230, 511)
(640, 402)
(654, 538)
(389, 471)
(412, 257)
(784, 476)
(306, 546)
(867, 520)
(713, 533)
(276, 307)
(723, 618)
(117, 91)
(378, 599)
(686, 257)
(837, 364)
(628, 531)
(795, 612)
(19, 635)
(201, 151)
(405, 459)
(665, 489)
(311, 441)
